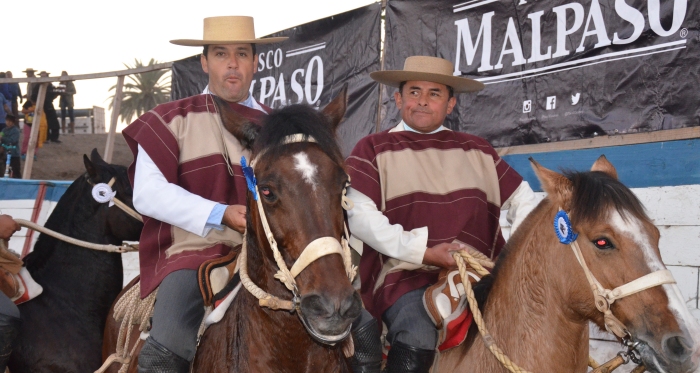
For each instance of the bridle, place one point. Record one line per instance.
(603, 297)
(316, 249)
(103, 193)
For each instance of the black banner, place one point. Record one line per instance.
(556, 70)
(311, 67)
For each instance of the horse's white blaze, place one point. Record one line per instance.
(633, 228)
(308, 170)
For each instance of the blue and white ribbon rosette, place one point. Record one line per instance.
(249, 178)
(103, 193)
(563, 228)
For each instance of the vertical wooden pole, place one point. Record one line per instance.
(34, 136)
(116, 106)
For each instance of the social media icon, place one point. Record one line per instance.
(527, 106)
(551, 102)
(575, 98)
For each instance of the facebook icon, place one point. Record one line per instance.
(551, 102)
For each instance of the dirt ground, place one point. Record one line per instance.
(64, 161)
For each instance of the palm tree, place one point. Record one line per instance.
(144, 91)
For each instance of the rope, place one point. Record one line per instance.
(130, 310)
(264, 299)
(124, 248)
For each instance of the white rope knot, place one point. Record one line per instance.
(103, 193)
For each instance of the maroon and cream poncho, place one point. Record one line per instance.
(451, 182)
(185, 140)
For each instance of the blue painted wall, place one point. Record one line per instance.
(669, 163)
(12, 189)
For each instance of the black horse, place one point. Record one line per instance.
(62, 329)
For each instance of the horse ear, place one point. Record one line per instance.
(239, 126)
(90, 167)
(557, 186)
(96, 158)
(603, 165)
(336, 108)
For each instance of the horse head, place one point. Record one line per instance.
(298, 168)
(619, 244)
(119, 226)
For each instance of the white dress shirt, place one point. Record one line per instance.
(371, 226)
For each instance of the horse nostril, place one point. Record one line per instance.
(315, 305)
(677, 348)
(351, 306)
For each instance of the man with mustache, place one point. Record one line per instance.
(189, 186)
(421, 192)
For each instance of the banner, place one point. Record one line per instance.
(311, 67)
(559, 69)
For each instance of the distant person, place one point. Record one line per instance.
(5, 87)
(49, 110)
(4, 110)
(15, 93)
(30, 86)
(9, 137)
(66, 103)
(28, 111)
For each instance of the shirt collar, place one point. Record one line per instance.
(248, 102)
(402, 126)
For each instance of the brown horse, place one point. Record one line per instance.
(539, 303)
(301, 186)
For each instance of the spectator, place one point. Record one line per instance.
(66, 103)
(4, 87)
(15, 93)
(30, 74)
(28, 111)
(49, 110)
(4, 110)
(9, 137)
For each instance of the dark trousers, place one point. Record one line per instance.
(16, 167)
(52, 121)
(69, 109)
(178, 313)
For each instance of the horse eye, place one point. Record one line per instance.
(265, 191)
(603, 244)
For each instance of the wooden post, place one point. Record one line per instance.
(34, 136)
(116, 106)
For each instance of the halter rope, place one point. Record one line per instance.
(316, 249)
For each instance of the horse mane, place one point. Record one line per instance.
(297, 119)
(594, 193)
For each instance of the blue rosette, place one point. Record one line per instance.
(563, 228)
(249, 178)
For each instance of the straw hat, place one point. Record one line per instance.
(44, 72)
(429, 69)
(227, 30)
(29, 70)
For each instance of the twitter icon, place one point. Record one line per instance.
(575, 98)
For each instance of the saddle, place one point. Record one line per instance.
(15, 280)
(447, 306)
(218, 277)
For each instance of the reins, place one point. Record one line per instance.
(316, 249)
(603, 299)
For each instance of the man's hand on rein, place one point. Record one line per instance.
(441, 255)
(234, 217)
(7, 227)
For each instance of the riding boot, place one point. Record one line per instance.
(406, 359)
(9, 329)
(368, 349)
(155, 358)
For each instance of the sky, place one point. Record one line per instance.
(82, 37)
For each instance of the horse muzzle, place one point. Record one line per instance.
(677, 354)
(325, 322)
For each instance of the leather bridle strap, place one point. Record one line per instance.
(605, 297)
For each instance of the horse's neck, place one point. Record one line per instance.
(528, 312)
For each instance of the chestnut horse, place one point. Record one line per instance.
(540, 302)
(301, 187)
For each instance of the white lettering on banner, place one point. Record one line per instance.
(301, 81)
(566, 33)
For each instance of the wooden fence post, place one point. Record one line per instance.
(34, 136)
(116, 106)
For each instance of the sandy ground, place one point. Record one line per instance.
(64, 161)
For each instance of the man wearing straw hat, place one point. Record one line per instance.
(421, 192)
(190, 188)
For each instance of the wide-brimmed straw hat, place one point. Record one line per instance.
(29, 70)
(430, 69)
(227, 30)
(44, 72)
